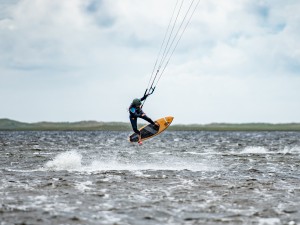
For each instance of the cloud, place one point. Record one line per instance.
(80, 34)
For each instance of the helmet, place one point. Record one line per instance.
(136, 102)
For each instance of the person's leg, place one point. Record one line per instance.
(156, 125)
(133, 121)
(147, 119)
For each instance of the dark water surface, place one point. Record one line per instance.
(174, 178)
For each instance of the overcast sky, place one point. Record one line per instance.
(238, 60)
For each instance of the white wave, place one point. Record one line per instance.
(269, 221)
(293, 150)
(70, 160)
(263, 150)
(99, 166)
(255, 150)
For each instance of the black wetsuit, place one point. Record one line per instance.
(136, 112)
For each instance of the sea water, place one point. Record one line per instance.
(174, 178)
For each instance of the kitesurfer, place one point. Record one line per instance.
(135, 111)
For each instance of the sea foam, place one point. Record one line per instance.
(70, 160)
(255, 150)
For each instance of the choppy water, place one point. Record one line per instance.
(175, 178)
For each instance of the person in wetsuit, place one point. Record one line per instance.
(135, 111)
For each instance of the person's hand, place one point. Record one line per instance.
(143, 114)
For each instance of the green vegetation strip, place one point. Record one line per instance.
(12, 125)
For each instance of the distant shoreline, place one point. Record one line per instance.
(12, 125)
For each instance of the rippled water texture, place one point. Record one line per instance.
(174, 178)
